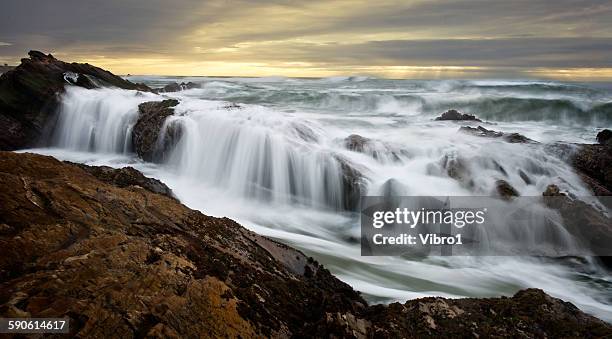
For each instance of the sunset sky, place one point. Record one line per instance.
(561, 39)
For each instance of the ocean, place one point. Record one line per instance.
(271, 153)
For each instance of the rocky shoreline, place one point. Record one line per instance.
(115, 252)
(119, 257)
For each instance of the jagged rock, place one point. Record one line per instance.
(29, 95)
(483, 132)
(146, 131)
(126, 177)
(526, 178)
(452, 114)
(176, 87)
(127, 262)
(604, 137)
(505, 190)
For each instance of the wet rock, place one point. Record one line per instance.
(353, 184)
(455, 115)
(526, 178)
(508, 137)
(595, 162)
(176, 87)
(126, 177)
(374, 148)
(232, 106)
(586, 223)
(29, 95)
(604, 137)
(530, 312)
(505, 190)
(146, 131)
(127, 262)
(356, 143)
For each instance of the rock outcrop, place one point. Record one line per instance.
(455, 115)
(29, 95)
(120, 260)
(146, 131)
(593, 162)
(505, 190)
(480, 131)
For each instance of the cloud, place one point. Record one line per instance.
(341, 34)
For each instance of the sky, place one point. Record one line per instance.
(551, 39)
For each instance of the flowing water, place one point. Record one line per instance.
(270, 153)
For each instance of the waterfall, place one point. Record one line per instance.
(97, 120)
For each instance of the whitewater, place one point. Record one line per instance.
(271, 154)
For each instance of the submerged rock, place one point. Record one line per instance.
(505, 190)
(146, 131)
(29, 95)
(375, 148)
(586, 223)
(353, 184)
(483, 132)
(455, 115)
(123, 261)
(176, 87)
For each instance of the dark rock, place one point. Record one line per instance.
(586, 223)
(595, 162)
(604, 137)
(176, 87)
(508, 137)
(505, 190)
(232, 106)
(452, 114)
(126, 177)
(146, 131)
(374, 148)
(127, 262)
(353, 184)
(525, 177)
(530, 313)
(29, 95)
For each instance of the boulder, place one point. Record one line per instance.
(29, 95)
(127, 262)
(146, 131)
(480, 131)
(353, 184)
(455, 115)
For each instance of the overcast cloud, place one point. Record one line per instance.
(315, 37)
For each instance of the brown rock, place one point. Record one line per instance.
(127, 262)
